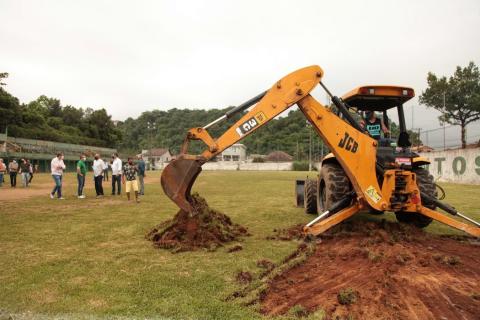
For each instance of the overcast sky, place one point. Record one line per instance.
(134, 56)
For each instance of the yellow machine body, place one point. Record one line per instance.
(354, 150)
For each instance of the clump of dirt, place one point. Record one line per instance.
(208, 229)
(235, 248)
(380, 270)
(265, 264)
(293, 233)
(244, 277)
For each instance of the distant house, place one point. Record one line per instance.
(158, 157)
(236, 152)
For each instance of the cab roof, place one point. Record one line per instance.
(378, 97)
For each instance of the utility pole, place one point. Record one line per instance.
(443, 122)
(412, 116)
(418, 137)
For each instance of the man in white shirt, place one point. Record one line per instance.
(98, 166)
(116, 174)
(57, 166)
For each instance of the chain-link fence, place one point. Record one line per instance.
(449, 136)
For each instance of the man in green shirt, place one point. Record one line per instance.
(81, 173)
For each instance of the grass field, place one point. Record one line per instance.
(89, 258)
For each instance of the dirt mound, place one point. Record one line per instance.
(208, 229)
(367, 270)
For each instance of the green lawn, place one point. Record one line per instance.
(89, 258)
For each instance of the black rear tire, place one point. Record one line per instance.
(333, 185)
(426, 185)
(310, 196)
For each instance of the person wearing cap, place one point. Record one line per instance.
(3, 169)
(13, 169)
(374, 125)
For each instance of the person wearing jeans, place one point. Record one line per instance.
(141, 174)
(57, 167)
(116, 174)
(32, 171)
(25, 172)
(57, 188)
(98, 165)
(81, 173)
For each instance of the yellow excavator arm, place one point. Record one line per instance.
(281, 96)
(178, 177)
(354, 149)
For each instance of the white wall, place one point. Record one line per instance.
(459, 166)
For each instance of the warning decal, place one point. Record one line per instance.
(373, 194)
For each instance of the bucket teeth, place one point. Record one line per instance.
(177, 180)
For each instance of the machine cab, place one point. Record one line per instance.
(377, 100)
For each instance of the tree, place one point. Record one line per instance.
(3, 75)
(9, 106)
(457, 98)
(101, 127)
(46, 119)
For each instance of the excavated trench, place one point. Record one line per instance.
(380, 270)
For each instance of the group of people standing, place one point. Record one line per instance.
(23, 168)
(126, 174)
(100, 173)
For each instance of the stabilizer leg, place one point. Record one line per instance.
(474, 231)
(325, 224)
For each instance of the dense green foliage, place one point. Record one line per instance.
(457, 98)
(301, 166)
(168, 129)
(46, 119)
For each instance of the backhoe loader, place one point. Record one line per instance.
(367, 180)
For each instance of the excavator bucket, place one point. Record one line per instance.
(177, 181)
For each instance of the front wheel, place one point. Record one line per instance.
(333, 185)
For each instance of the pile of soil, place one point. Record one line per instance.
(208, 229)
(380, 270)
